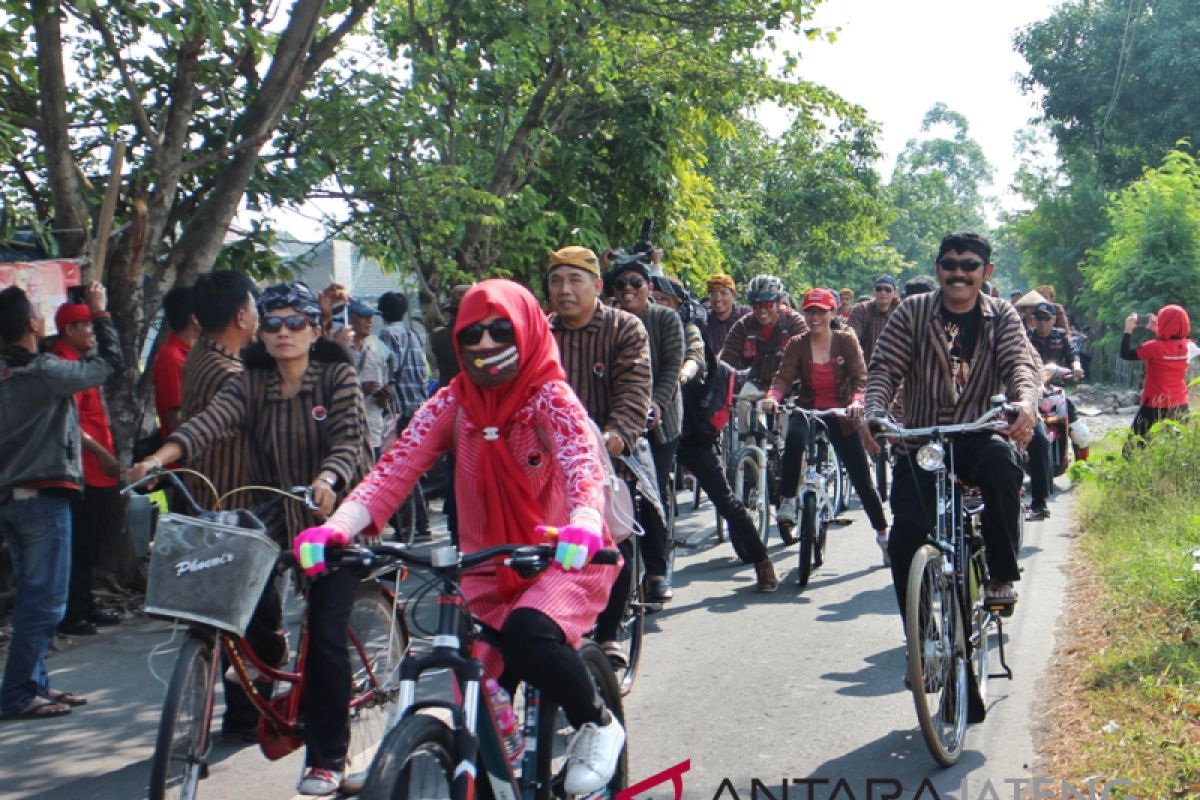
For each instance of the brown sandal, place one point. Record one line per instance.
(66, 698)
(39, 708)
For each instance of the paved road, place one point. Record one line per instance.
(784, 687)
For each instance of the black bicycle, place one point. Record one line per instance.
(443, 748)
(821, 495)
(949, 630)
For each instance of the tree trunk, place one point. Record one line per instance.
(71, 226)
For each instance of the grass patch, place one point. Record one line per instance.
(1136, 694)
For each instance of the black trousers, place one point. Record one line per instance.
(402, 516)
(535, 650)
(656, 545)
(609, 619)
(327, 672)
(95, 513)
(267, 637)
(1041, 465)
(854, 458)
(1146, 416)
(984, 460)
(702, 459)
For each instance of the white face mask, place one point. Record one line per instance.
(493, 366)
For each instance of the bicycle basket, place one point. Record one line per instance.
(208, 571)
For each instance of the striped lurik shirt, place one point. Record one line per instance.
(912, 351)
(322, 427)
(867, 322)
(208, 367)
(607, 363)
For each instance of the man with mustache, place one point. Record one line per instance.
(953, 349)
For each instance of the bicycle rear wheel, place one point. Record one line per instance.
(180, 758)
(937, 659)
(633, 625)
(377, 639)
(554, 731)
(416, 761)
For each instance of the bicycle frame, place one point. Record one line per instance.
(816, 438)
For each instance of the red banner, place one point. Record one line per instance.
(45, 282)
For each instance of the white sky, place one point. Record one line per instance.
(896, 58)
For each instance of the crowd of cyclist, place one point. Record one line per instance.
(623, 371)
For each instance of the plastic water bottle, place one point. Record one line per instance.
(506, 720)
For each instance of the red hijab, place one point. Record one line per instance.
(512, 509)
(1173, 329)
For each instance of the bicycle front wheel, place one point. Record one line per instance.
(181, 750)
(554, 731)
(937, 658)
(808, 537)
(377, 638)
(746, 488)
(633, 624)
(416, 761)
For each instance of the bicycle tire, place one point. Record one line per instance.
(808, 536)
(377, 638)
(937, 659)
(837, 484)
(416, 761)
(633, 626)
(180, 755)
(553, 729)
(746, 489)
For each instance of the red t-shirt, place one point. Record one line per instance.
(1166, 374)
(93, 420)
(824, 386)
(168, 379)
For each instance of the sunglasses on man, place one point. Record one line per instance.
(965, 264)
(624, 283)
(764, 305)
(501, 331)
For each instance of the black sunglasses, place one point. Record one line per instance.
(966, 264)
(635, 282)
(883, 287)
(294, 322)
(501, 331)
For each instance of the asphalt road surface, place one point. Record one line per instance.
(765, 696)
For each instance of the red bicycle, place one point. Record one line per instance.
(206, 547)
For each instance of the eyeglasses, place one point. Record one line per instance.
(294, 322)
(883, 287)
(764, 305)
(635, 283)
(966, 265)
(501, 331)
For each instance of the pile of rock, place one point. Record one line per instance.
(1093, 399)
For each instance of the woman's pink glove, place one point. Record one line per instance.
(576, 544)
(309, 547)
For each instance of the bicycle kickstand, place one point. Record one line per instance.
(1007, 673)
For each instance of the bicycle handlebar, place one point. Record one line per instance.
(300, 493)
(988, 422)
(533, 558)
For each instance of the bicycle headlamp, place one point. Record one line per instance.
(931, 457)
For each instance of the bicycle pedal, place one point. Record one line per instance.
(352, 784)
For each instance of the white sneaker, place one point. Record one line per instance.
(317, 782)
(787, 510)
(881, 539)
(592, 755)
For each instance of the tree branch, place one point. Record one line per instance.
(325, 47)
(139, 111)
(225, 152)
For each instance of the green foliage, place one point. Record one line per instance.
(1152, 256)
(1140, 520)
(936, 188)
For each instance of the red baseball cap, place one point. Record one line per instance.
(819, 298)
(70, 313)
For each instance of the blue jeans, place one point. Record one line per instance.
(38, 532)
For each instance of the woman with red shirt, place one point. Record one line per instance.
(1164, 391)
(524, 457)
(828, 364)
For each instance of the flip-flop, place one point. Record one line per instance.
(39, 708)
(66, 698)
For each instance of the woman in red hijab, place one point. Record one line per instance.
(1164, 391)
(524, 457)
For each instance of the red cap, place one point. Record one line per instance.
(820, 298)
(70, 313)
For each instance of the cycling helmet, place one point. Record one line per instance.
(764, 288)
